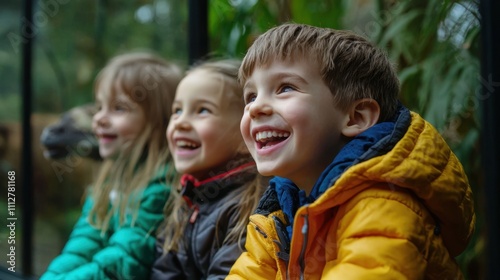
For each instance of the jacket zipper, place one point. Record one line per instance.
(262, 230)
(305, 231)
(283, 243)
(191, 250)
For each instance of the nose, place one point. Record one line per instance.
(260, 107)
(101, 119)
(181, 122)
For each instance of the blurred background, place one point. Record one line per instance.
(435, 45)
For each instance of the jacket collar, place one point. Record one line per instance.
(377, 140)
(213, 188)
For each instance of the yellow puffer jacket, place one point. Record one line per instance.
(403, 215)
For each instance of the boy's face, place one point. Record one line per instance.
(290, 123)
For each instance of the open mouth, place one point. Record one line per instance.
(267, 139)
(186, 145)
(107, 137)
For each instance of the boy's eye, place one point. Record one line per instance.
(249, 98)
(286, 88)
(204, 110)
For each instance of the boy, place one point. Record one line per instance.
(364, 188)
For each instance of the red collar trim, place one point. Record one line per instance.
(196, 183)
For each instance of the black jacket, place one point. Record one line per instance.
(203, 253)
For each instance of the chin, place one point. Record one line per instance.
(104, 155)
(264, 171)
(108, 155)
(182, 169)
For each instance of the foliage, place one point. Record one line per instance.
(234, 24)
(74, 39)
(436, 46)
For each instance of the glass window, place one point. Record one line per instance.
(74, 40)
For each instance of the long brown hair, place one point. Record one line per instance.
(250, 193)
(150, 81)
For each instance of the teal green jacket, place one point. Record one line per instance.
(125, 252)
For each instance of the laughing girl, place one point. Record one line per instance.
(206, 230)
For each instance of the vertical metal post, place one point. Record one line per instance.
(28, 31)
(100, 31)
(198, 30)
(490, 101)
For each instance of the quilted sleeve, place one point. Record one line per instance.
(166, 265)
(130, 251)
(381, 235)
(223, 257)
(84, 242)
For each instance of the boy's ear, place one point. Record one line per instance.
(362, 114)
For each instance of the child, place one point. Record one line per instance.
(115, 235)
(206, 230)
(365, 189)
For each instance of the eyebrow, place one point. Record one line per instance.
(287, 75)
(206, 101)
(125, 101)
(281, 75)
(197, 102)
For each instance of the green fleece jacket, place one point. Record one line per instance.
(123, 252)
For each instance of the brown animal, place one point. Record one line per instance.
(68, 167)
(59, 179)
(71, 135)
(65, 159)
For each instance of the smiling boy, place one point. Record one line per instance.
(364, 188)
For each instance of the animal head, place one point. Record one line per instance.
(72, 135)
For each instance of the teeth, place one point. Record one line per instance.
(183, 143)
(263, 135)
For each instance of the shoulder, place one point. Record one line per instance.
(381, 194)
(161, 175)
(160, 181)
(156, 193)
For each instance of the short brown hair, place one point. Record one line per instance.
(351, 66)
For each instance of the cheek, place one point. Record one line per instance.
(134, 130)
(297, 116)
(95, 121)
(128, 133)
(94, 125)
(207, 134)
(168, 133)
(245, 126)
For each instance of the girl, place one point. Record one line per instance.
(206, 230)
(115, 235)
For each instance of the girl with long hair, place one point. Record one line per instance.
(220, 187)
(115, 236)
